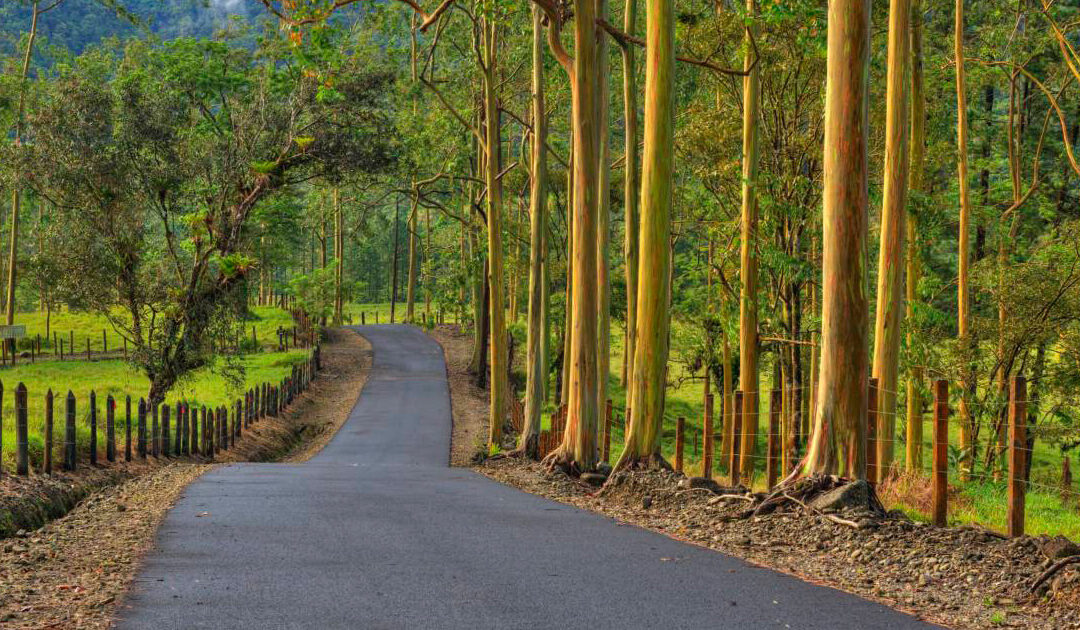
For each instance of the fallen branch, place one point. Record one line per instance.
(1053, 570)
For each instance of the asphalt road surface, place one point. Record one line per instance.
(377, 531)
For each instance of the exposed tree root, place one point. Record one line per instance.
(561, 460)
(1053, 570)
(801, 491)
(529, 449)
(626, 463)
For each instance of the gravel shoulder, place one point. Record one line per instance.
(958, 577)
(74, 571)
(469, 402)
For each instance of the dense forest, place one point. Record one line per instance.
(650, 203)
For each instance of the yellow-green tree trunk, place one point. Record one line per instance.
(891, 254)
(838, 442)
(630, 189)
(497, 313)
(748, 298)
(534, 386)
(962, 252)
(648, 379)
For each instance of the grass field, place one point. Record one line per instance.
(86, 327)
(211, 386)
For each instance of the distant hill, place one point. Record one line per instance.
(77, 24)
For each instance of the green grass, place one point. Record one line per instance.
(206, 387)
(83, 327)
(981, 501)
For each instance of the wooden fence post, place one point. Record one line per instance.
(110, 428)
(1017, 452)
(941, 453)
(363, 321)
(680, 428)
(195, 447)
(186, 440)
(142, 428)
(872, 472)
(776, 403)
(707, 438)
(93, 428)
(69, 433)
(22, 434)
(48, 454)
(1066, 479)
(178, 447)
(165, 437)
(88, 348)
(211, 436)
(155, 433)
(127, 428)
(736, 421)
(104, 341)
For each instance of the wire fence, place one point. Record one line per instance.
(948, 453)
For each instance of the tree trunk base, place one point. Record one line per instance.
(655, 461)
(802, 490)
(529, 449)
(561, 460)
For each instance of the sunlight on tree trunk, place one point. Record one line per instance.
(603, 216)
(497, 312)
(648, 380)
(630, 190)
(534, 386)
(838, 442)
(891, 254)
(748, 299)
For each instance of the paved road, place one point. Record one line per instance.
(376, 531)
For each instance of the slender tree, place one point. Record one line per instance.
(962, 253)
(648, 382)
(913, 459)
(630, 189)
(748, 298)
(838, 441)
(534, 392)
(891, 254)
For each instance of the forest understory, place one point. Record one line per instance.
(960, 577)
(74, 571)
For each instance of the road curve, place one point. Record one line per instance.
(377, 531)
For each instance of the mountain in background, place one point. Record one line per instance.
(76, 24)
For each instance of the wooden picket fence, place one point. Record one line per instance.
(153, 430)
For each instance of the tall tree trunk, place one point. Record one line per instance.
(339, 253)
(393, 265)
(497, 313)
(913, 459)
(838, 443)
(578, 450)
(748, 298)
(967, 383)
(603, 213)
(891, 254)
(413, 229)
(534, 392)
(649, 375)
(568, 320)
(16, 192)
(630, 189)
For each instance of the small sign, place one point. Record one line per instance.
(12, 332)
